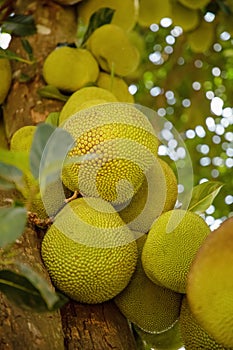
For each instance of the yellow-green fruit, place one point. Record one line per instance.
(117, 145)
(172, 244)
(116, 85)
(151, 11)
(193, 335)
(113, 50)
(5, 78)
(22, 138)
(167, 340)
(194, 4)
(210, 284)
(81, 98)
(89, 253)
(205, 31)
(157, 194)
(125, 14)
(149, 306)
(184, 17)
(69, 68)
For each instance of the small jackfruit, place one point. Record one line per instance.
(184, 17)
(210, 284)
(119, 55)
(84, 98)
(193, 335)
(125, 14)
(5, 78)
(89, 253)
(116, 85)
(117, 145)
(69, 68)
(22, 138)
(149, 306)
(206, 31)
(172, 244)
(157, 194)
(194, 4)
(151, 11)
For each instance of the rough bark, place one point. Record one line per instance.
(85, 327)
(96, 327)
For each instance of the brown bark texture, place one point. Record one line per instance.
(75, 326)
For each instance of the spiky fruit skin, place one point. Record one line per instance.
(89, 253)
(6, 77)
(151, 11)
(194, 4)
(117, 144)
(193, 335)
(119, 56)
(125, 14)
(115, 85)
(81, 98)
(210, 284)
(157, 194)
(69, 68)
(172, 244)
(149, 306)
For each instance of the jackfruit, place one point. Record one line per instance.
(193, 335)
(206, 32)
(157, 194)
(194, 4)
(151, 11)
(184, 17)
(22, 138)
(172, 244)
(88, 251)
(119, 55)
(81, 98)
(210, 284)
(167, 340)
(149, 306)
(6, 77)
(69, 68)
(117, 144)
(116, 85)
(125, 14)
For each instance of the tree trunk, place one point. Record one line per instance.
(77, 326)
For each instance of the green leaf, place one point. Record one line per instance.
(19, 25)
(9, 176)
(203, 195)
(10, 55)
(53, 118)
(12, 223)
(27, 47)
(29, 290)
(41, 136)
(98, 19)
(18, 159)
(50, 91)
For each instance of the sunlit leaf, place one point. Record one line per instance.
(203, 196)
(20, 25)
(29, 290)
(98, 19)
(50, 91)
(10, 55)
(12, 223)
(41, 136)
(18, 159)
(53, 118)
